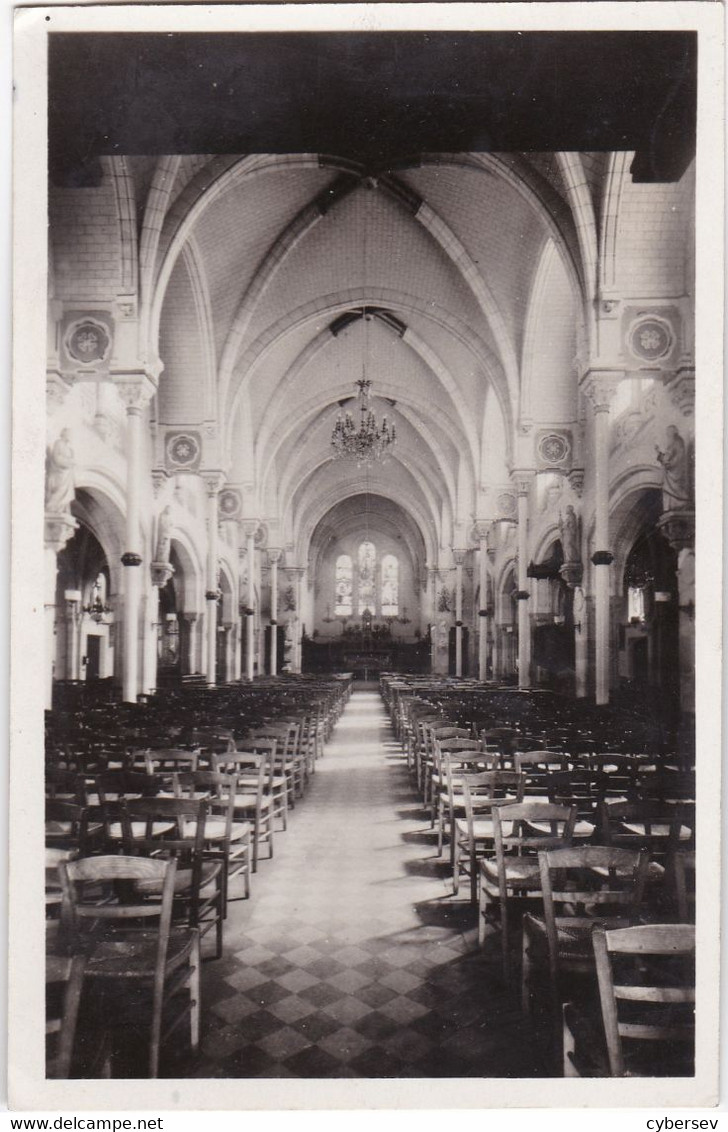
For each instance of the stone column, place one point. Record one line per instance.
(678, 527)
(481, 532)
(213, 482)
(522, 481)
(295, 573)
(161, 572)
(459, 558)
(250, 527)
(58, 529)
(191, 643)
(599, 386)
(135, 392)
(274, 557)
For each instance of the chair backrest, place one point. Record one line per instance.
(91, 896)
(245, 765)
(64, 983)
(489, 790)
(657, 986)
(170, 760)
(66, 823)
(114, 784)
(684, 872)
(532, 826)
(219, 787)
(660, 827)
(590, 885)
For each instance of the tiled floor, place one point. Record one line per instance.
(352, 959)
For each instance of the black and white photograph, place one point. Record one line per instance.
(367, 540)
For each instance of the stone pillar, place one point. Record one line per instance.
(250, 527)
(135, 392)
(459, 558)
(522, 482)
(481, 531)
(58, 529)
(678, 527)
(274, 557)
(600, 386)
(295, 573)
(161, 572)
(191, 643)
(213, 483)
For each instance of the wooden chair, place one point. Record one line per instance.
(277, 783)
(133, 944)
(199, 892)
(582, 888)
(252, 803)
(684, 880)
(474, 833)
(457, 748)
(64, 983)
(514, 871)
(646, 981)
(223, 835)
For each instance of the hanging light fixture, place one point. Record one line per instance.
(367, 443)
(97, 609)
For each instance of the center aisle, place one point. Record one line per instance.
(352, 959)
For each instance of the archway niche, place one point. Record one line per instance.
(84, 613)
(367, 559)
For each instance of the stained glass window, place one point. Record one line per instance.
(344, 601)
(367, 579)
(390, 586)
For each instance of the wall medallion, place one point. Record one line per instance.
(229, 503)
(650, 339)
(183, 451)
(553, 449)
(506, 504)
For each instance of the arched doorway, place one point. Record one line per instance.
(84, 631)
(648, 646)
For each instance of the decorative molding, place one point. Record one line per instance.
(650, 337)
(506, 505)
(159, 478)
(57, 389)
(522, 595)
(161, 572)
(131, 558)
(599, 387)
(572, 574)
(576, 481)
(274, 555)
(135, 390)
(58, 529)
(602, 558)
(678, 527)
(213, 481)
(458, 556)
(681, 388)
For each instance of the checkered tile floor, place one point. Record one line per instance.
(352, 958)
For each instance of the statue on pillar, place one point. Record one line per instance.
(60, 479)
(676, 479)
(570, 535)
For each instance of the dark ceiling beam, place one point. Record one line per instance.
(377, 100)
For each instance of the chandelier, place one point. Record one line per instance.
(368, 442)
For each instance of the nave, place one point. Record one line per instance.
(352, 958)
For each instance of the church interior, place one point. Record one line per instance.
(369, 517)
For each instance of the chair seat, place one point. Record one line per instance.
(581, 828)
(54, 855)
(216, 830)
(64, 828)
(133, 954)
(139, 829)
(519, 870)
(483, 828)
(182, 880)
(657, 829)
(249, 801)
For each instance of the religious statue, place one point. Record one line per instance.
(164, 535)
(674, 461)
(570, 535)
(60, 480)
(443, 634)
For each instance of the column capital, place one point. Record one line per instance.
(161, 573)
(135, 390)
(599, 387)
(274, 555)
(249, 527)
(458, 555)
(58, 529)
(481, 530)
(681, 387)
(57, 389)
(522, 478)
(213, 481)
